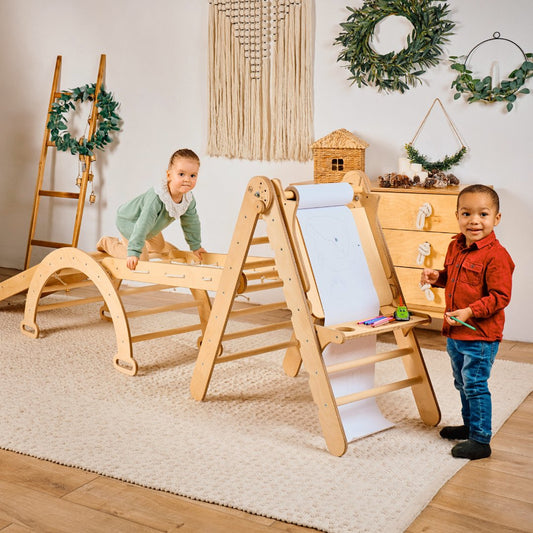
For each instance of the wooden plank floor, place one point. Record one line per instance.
(489, 495)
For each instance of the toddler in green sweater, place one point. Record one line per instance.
(141, 220)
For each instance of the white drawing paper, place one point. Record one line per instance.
(347, 293)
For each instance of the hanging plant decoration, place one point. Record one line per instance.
(445, 164)
(448, 161)
(108, 120)
(401, 70)
(482, 90)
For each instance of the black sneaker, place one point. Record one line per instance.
(471, 449)
(454, 432)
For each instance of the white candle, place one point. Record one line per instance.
(403, 165)
(416, 167)
(423, 175)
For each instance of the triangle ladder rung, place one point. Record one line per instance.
(371, 359)
(378, 391)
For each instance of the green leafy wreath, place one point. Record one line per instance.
(108, 120)
(448, 162)
(394, 71)
(482, 90)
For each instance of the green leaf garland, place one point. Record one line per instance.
(394, 71)
(448, 162)
(107, 122)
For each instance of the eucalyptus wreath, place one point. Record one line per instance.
(482, 90)
(108, 120)
(394, 71)
(448, 162)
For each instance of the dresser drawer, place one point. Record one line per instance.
(415, 298)
(400, 211)
(403, 247)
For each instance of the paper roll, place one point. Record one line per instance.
(323, 194)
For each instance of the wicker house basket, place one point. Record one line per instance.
(337, 153)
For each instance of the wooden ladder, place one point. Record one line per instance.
(86, 175)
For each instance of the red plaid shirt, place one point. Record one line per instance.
(480, 277)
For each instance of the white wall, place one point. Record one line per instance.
(157, 69)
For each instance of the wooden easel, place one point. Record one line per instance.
(266, 200)
(86, 175)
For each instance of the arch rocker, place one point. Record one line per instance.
(77, 260)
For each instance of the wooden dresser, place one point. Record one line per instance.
(406, 224)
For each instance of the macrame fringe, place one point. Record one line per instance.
(260, 79)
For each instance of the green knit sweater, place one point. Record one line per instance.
(147, 215)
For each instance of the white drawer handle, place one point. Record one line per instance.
(427, 290)
(424, 250)
(425, 210)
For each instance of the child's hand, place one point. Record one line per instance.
(199, 253)
(131, 262)
(461, 314)
(429, 276)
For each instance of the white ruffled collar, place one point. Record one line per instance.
(174, 210)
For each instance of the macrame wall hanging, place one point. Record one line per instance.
(260, 79)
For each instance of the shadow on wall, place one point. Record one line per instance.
(20, 142)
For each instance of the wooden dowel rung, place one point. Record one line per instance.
(377, 391)
(376, 358)
(264, 286)
(160, 309)
(257, 331)
(59, 194)
(259, 264)
(165, 333)
(266, 274)
(70, 303)
(67, 286)
(258, 309)
(260, 240)
(256, 351)
(50, 244)
(145, 288)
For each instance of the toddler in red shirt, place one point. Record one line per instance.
(477, 280)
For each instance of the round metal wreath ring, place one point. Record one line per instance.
(108, 120)
(394, 71)
(484, 90)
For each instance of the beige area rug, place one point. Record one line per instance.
(255, 444)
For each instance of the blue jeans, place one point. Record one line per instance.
(471, 364)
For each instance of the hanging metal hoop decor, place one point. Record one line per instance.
(482, 89)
